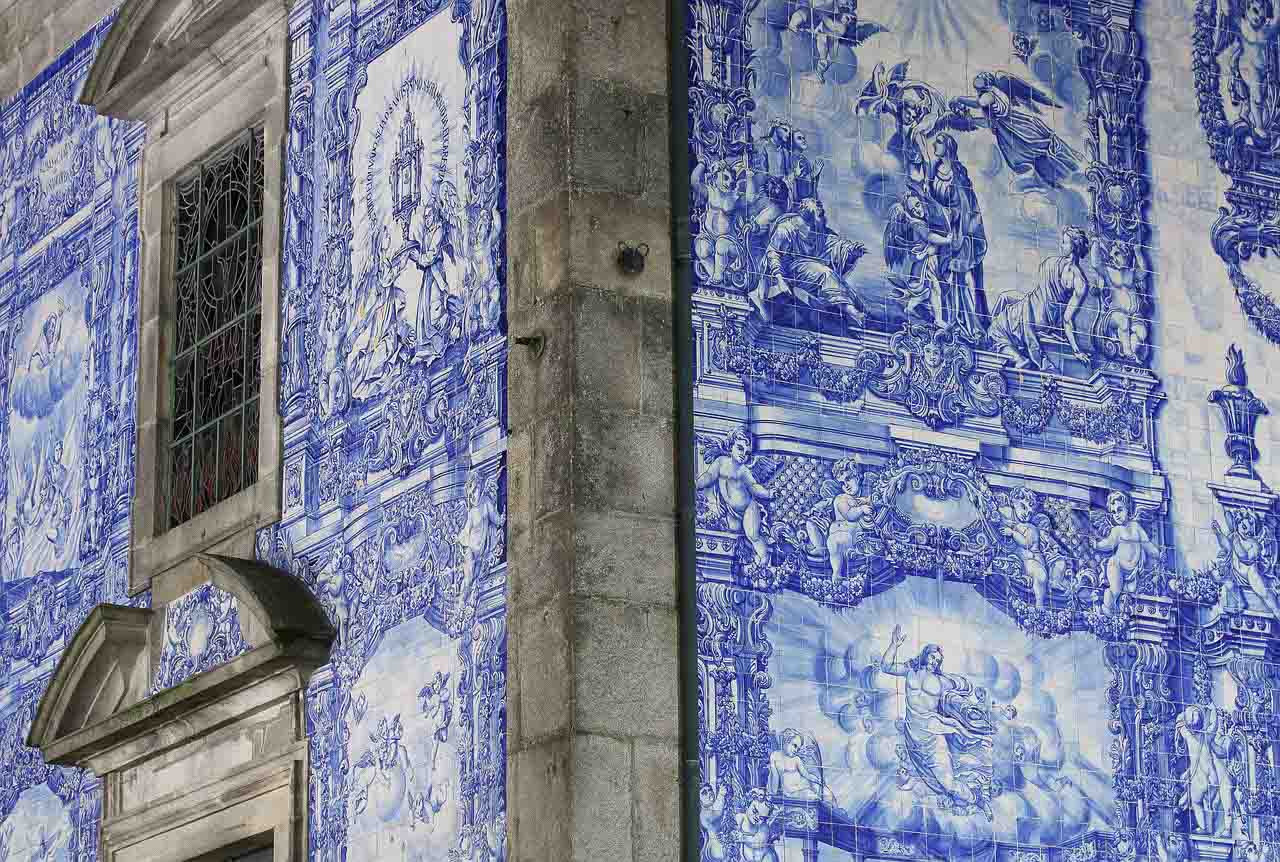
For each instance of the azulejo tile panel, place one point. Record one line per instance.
(201, 631)
(393, 374)
(68, 305)
(964, 589)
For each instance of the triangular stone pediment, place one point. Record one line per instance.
(151, 42)
(99, 697)
(102, 671)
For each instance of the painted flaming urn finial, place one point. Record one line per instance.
(1240, 411)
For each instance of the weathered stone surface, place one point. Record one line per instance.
(624, 657)
(543, 672)
(551, 448)
(657, 395)
(625, 462)
(550, 564)
(625, 557)
(623, 42)
(539, 251)
(538, 140)
(34, 33)
(657, 801)
(620, 140)
(538, 825)
(602, 827)
(519, 484)
(588, 170)
(607, 336)
(603, 219)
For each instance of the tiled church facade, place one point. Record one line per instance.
(393, 434)
(983, 555)
(986, 553)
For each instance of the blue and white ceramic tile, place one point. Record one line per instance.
(403, 801)
(394, 385)
(201, 631)
(393, 373)
(68, 262)
(965, 589)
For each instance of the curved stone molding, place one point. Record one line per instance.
(278, 601)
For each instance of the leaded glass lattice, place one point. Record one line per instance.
(218, 279)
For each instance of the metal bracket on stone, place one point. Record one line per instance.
(536, 342)
(631, 257)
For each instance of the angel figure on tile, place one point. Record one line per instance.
(842, 517)
(1126, 548)
(331, 582)
(725, 196)
(1248, 557)
(759, 828)
(795, 769)
(1250, 31)
(481, 532)
(714, 802)
(1022, 522)
(437, 708)
(833, 23)
(432, 251)
(1011, 108)
(739, 494)
(1209, 741)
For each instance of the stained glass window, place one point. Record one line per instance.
(215, 367)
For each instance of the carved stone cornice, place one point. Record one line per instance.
(154, 43)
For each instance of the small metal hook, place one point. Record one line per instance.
(536, 342)
(631, 257)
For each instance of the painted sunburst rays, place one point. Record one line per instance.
(950, 29)
(1041, 771)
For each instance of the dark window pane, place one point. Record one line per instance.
(220, 373)
(236, 267)
(253, 256)
(183, 395)
(187, 287)
(206, 470)
(218, 283)
(230, 451)
(187, 229)
(209, 311)
(180, 484)
(250, 443)
(226, 179)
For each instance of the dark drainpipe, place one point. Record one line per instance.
(682, 317)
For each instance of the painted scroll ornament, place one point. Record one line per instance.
(1237, 73)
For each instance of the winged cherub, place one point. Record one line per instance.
(833, 22)
(795, 769)
(917, 109)
(1248, 556)
(1010, 108)
(1249, 30)
(837, 522)
(1029, 528)
(740, 493)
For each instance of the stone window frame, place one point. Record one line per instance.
(196, 79)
